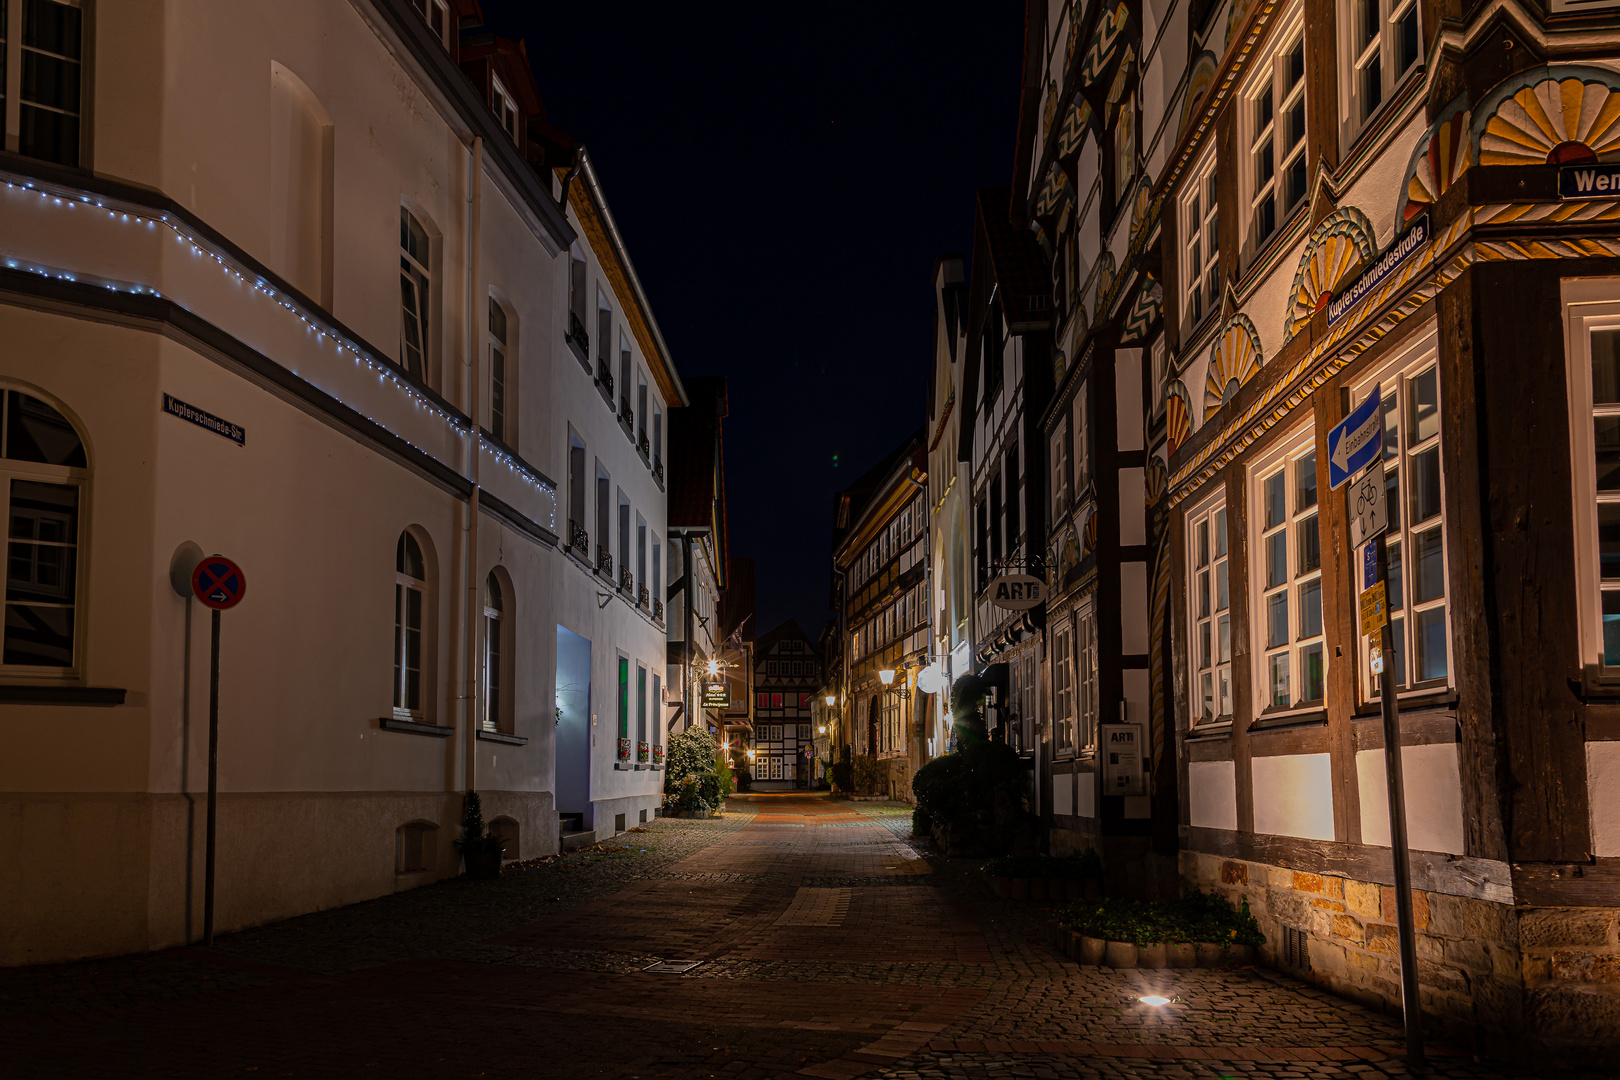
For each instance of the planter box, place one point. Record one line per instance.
(1001, 886)
(1153, 956)
(1182, 954)
(1120, 954)
(1037, 889)
(1210, 955)
(1093, 950)
(1018, 888)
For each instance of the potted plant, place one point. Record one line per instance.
(481, 850)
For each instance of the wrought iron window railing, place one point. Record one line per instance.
(658, 610)
(644, 444)
(578, 538)
(604, 560)
(627, 580)
(604, 377)
(658, 469)
(578, 334)
(645, 596)
(626, 412)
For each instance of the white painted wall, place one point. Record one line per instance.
(1603, 795)
(1433, 797)
(1212, 794)
(1293, 796)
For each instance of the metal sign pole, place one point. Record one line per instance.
(1411, 1000)
(213, 784)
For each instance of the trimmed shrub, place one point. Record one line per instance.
(691, 776)
(974, 798)
(922, 823)
(1196, 917)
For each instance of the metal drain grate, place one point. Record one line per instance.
(672, 967)
(1296, 948)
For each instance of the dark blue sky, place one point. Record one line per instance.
(784, 188)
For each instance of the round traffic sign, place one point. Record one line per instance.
(218, 582)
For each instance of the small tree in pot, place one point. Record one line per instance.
(480, 849)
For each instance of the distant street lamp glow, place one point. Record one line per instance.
(832, 699)
(886, 676)
(1154, 999)
(821, 729)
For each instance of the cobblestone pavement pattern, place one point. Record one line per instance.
(830, 945)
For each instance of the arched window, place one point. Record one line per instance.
(496, 626)
(410, 606)
(43, 469)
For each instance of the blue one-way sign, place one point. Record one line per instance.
(1356, 442)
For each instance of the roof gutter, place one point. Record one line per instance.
(588, 170)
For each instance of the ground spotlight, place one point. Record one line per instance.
(1154, 999)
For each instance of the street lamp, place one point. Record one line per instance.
(821, 729)
(886, 676)
(714, 667)
(832, 699)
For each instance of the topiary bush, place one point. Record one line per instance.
(974, 798)
(922, 822)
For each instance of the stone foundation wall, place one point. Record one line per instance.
(1571, 964)
(1468, 950)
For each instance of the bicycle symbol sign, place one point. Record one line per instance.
(1369, 507)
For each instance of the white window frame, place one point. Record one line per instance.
(436, 13)
(1079, 448)
(404, 586)
(1269, 80)
(416, 275)
(1290, 460)
(1394, 378)
(504, 105)
(1088, 706)
(63, 476)
(1063, 691)
(11, 52)
(1124, 149)
(495, 650)
(1204, 589)
(1200, 244)
(502, 373)
(1060, 471)
(1355, 55)
(1590, 305)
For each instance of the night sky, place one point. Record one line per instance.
(784, 189)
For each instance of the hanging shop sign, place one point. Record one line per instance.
(716, 695)
(1017, 592)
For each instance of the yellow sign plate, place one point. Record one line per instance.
(1374, 609)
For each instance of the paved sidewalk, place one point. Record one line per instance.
(828, 946)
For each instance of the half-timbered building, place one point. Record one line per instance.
(787, 674)
(1278, 210)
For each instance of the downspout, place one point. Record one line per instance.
(470, 685)
(686, 616)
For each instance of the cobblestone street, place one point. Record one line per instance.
(829, 946)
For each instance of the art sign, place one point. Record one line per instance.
(1122, 759)
(1017, 592)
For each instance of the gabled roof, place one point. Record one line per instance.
(1021, 269)
(876, 492)
(788, 631)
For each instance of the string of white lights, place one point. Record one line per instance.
(383, 368)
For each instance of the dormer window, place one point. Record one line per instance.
(504, 106)
(436, 13)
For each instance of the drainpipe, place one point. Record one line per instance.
(686, 616)
(473, 607)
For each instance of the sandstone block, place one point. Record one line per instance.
(1349, 929)
(1561, 1011)
(1234, 873)
(1327, 905)
(1446, 915)
(1363, 961)
(1466, 953)
(1431, 948)
(1332, 886)
(1382, 939)
(1583, 965)
(1420, 906)
(1311, 883)
(1441, 976)
(1363, 899)
(1504, 962)
(1565, 926)
(1120, 954)
(1487, 921)
(1327, 959)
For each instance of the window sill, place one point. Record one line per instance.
(1215, 730)
(1399, 100)
(622, 765)
(502, 737)
(414, 727)
(1260, 252)
(607, 395)
(1278, 721)
(1413, 701)
(579, 354)
(101, 696)
(640, 767)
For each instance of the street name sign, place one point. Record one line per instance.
(218, 582)
(1402, 248)
(1357, 441)
(1369, 510)
(1017, 592)
(1369, 565)
(1374, 609)
(1589, 181)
